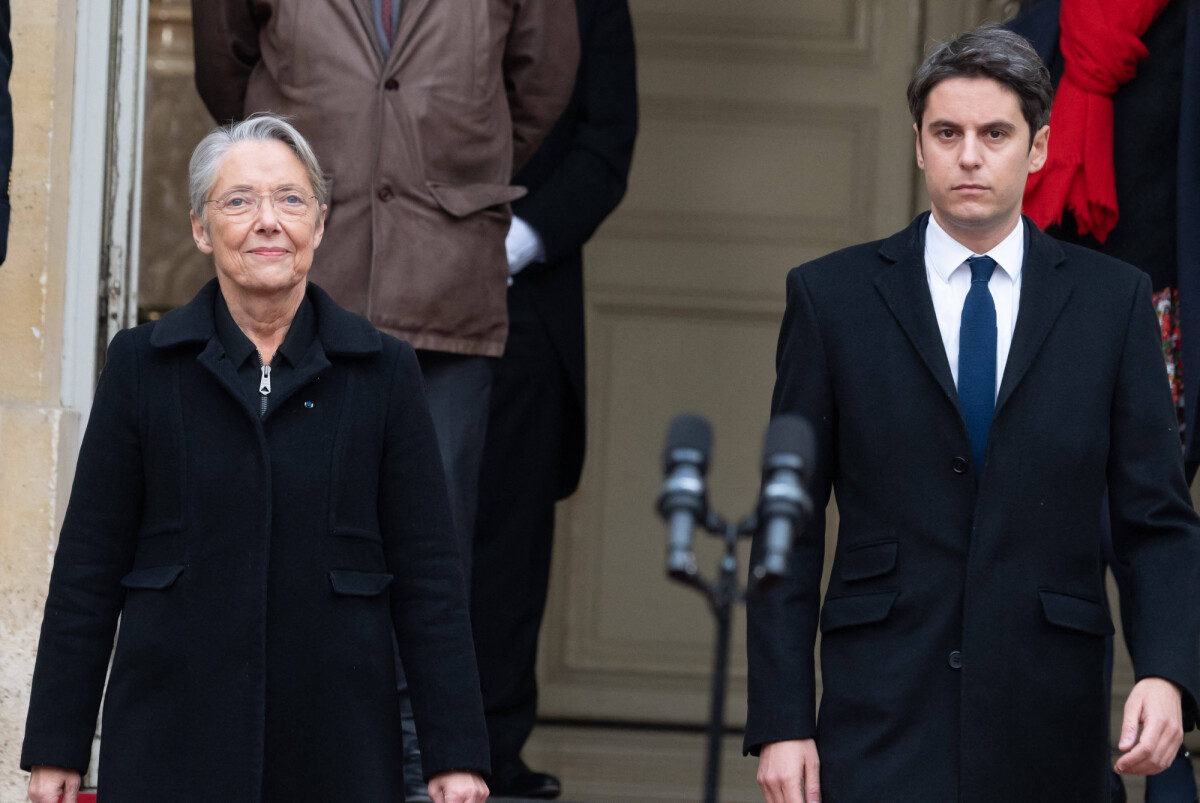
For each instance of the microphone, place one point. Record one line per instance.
(788, 454)
(682, 500)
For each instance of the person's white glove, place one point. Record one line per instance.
(523, 245)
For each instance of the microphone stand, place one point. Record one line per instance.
(788, 449)
(721, 595)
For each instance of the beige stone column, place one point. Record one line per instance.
(38, 436)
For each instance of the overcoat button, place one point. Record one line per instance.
(385, 193)
(391, 84)
(959, 465)
(956, 660)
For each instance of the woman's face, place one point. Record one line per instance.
(266, 251)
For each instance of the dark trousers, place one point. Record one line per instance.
(515, 527)
(457, 387)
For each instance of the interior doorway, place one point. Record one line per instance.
(171, 269)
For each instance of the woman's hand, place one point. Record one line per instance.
(50, 784)
(457, 787)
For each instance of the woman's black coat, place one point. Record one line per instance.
(258, 568)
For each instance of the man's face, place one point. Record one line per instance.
(974, 147)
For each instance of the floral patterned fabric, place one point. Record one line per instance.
(1166, 304)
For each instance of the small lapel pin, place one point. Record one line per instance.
(308, 405)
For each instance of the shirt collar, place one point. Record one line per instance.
(300, 334)
(239, 348)
(944, 254)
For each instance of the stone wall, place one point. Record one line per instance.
(38, 436)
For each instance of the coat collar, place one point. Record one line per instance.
(905, 289)
(339, 331)
(1045, 289)
(906, 292)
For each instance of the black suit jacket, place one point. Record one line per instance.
(962, 633)
(259, 568)
(575, 180)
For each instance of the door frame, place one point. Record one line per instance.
(104, 210)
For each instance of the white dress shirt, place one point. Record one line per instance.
(949, 278)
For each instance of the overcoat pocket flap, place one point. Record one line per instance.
(358, 532)
(461, 200)
(1076, 613)
(859, 609)
(358, 584)
(869, 560)
(156, 577)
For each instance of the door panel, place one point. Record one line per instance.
(768, 137)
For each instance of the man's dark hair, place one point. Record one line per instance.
(989, 51)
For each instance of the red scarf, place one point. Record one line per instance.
(1101, 46)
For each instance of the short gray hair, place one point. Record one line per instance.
(261, 127)
(989, 51)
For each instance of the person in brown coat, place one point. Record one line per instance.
(421, 112)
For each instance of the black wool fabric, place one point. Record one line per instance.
(260, 568)
(963, 628)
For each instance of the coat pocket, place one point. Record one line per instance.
(860, 609)
(869, 560)
(464, 200)
(365, 533)
(358, 584)
(1076, 613)
(155, 577)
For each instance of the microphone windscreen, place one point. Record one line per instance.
(790, 436)
(688, 431)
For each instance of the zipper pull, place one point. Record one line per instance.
(264, 385)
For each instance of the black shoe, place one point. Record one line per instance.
(514, 779)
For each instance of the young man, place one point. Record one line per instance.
(975, 387)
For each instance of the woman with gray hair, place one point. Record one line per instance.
(259, 500)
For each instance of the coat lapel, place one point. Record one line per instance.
(367, 16)
(412, 11)
(1044, 293)
(212, 359)
(193, 324)
(905, 290)
(312, 364)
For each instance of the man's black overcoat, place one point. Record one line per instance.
(962, 633)
(258, 568)
(576, 178)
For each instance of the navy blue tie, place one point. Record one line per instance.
(977, 358)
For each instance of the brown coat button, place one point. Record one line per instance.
(391, 84)
(385, 193)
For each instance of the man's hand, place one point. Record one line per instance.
(790, 772)
(457, 787)
(50, 784)
(1154, 705)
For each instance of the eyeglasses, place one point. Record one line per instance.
(288, 202)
